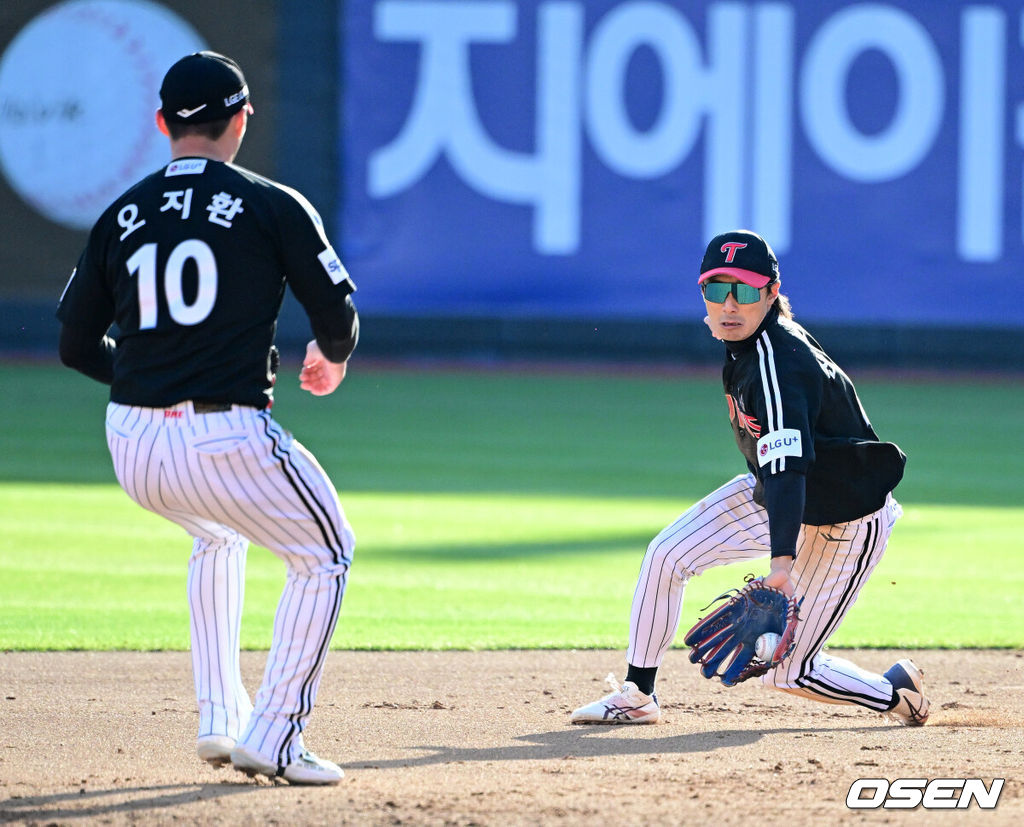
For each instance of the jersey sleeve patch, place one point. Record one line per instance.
(332, 264)
(778, 444)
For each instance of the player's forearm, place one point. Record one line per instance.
(82, 350)
(337, 333)
(784, 497)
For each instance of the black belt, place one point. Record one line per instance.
(211, 407)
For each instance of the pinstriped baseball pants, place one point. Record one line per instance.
(832, 565)
(229, 479)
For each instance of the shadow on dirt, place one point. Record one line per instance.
(585, 742)
(130, 801)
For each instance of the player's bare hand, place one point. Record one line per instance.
(319, 376)
(780, 577)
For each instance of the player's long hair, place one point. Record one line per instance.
(785, 308)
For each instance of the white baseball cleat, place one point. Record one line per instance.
(908, 682)
(215, 750)
(306, 769)
(625, 705)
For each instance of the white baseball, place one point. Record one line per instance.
(764, 646)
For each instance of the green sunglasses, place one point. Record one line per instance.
(717, 292)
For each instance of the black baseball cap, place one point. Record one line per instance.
(203, 87)
(742, 254)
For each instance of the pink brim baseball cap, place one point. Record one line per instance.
(746, 276)
(742, 254)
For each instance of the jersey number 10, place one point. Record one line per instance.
(143, 263)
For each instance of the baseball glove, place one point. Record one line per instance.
(734, 627)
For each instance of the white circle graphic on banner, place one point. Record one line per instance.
(79, 86)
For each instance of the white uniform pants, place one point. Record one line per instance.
(832, 565)
(230, 478)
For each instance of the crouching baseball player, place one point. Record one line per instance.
(817, 498)
(191, 264)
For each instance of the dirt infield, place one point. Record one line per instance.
(461, 738)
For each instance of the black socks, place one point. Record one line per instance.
(643, 677)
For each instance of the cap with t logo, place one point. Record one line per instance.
(741, 254)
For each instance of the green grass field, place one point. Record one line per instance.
(501, 509)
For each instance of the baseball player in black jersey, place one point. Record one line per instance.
(816, 499)
(190, 267)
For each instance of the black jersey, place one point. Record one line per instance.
(793, 409)
(190, 265)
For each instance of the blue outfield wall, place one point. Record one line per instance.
(538, 178)
(28, 329)
(571, 158)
